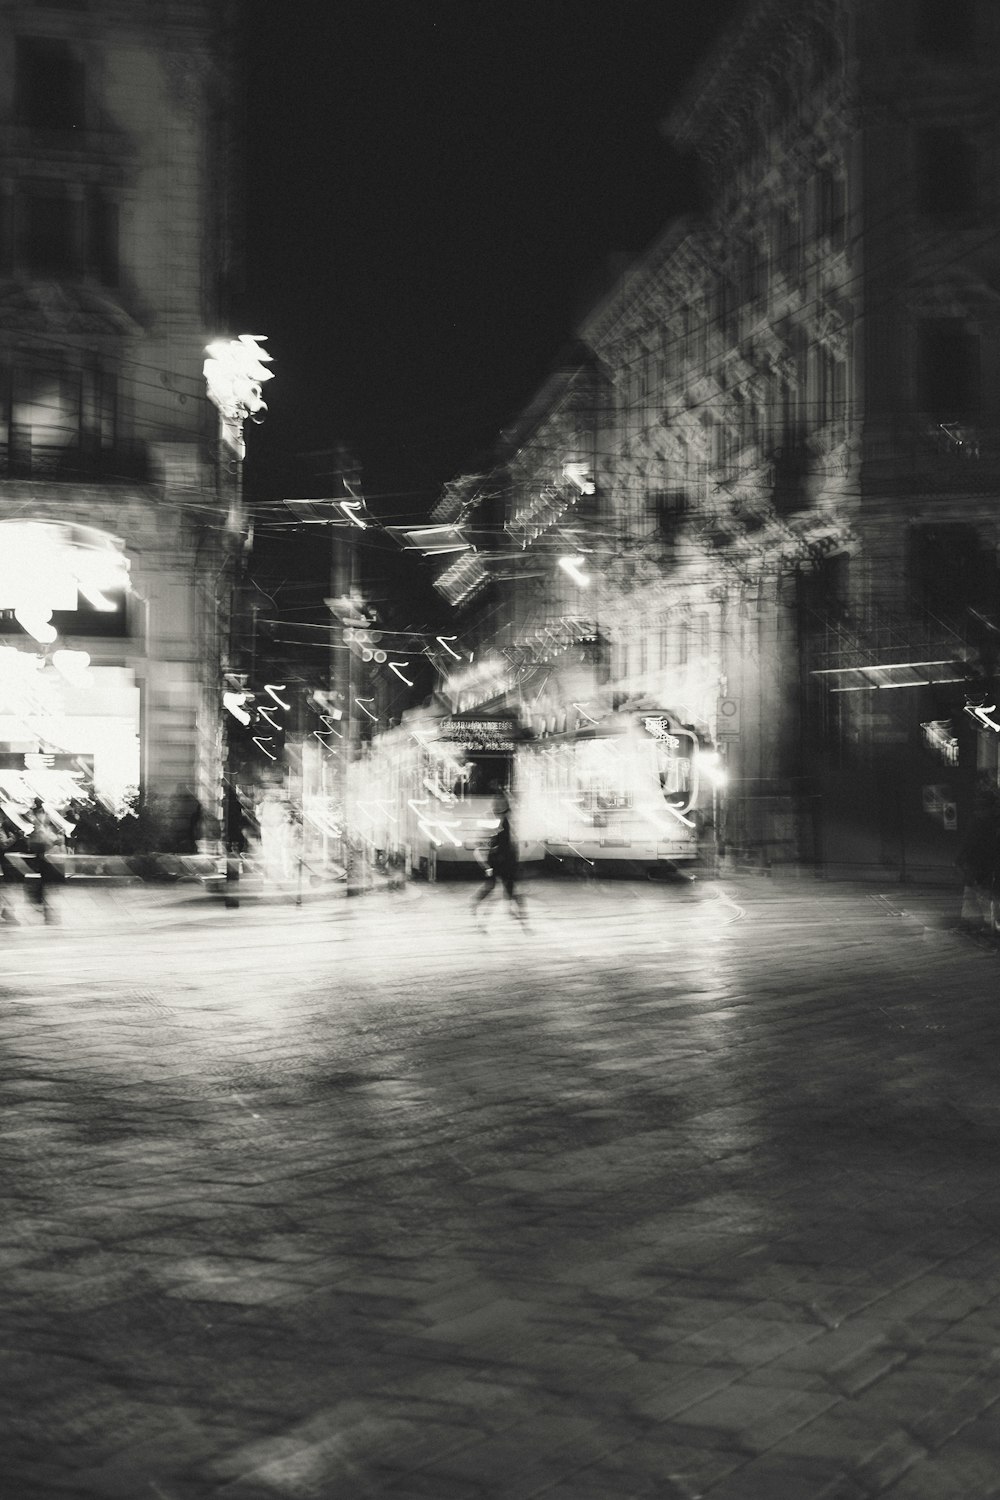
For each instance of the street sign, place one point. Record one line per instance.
(729, 717)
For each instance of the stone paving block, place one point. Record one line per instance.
(659, 1464)
(429, 1486)
(677, 1314)
(597, 1484)
(501, 1323)
(774, 1478)
(51, 1478)
(846, 1434)
(959, 1407)
(867, 1369)
(748, 1340)
(959, 1475)
(357, 1463)
(962, 1299)
(528, 1463)
(240, 1289)
(753, 1417)
(847, 1355)
(657, 1391)
(893, 1457)
(925, 1298)
(475, 1404)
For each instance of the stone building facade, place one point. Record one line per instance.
(849, 357)
(526, 595)
(117, 233)
(797, 457)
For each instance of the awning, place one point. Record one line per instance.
(892, 675)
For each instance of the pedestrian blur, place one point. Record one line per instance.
(978, 860)
(501, 861)
(44, 833)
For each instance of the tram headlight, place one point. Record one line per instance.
(710, 761)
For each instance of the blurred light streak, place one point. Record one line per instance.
(350, 509)
(573, 566)
(874, 687)
(580, 474)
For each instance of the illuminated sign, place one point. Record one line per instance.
(939, 736)
(659, 728)
(983, 714)
(57, 577)
(11, 760)
(486, 735)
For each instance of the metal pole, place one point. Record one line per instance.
(232, 813)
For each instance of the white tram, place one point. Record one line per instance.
(422, 794)
(628, 789)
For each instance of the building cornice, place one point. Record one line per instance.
(734, 90)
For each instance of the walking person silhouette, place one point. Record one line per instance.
(501, 860)
(39, 840)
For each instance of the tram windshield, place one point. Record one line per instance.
(455, 777)
(671, 750)
(648, 761)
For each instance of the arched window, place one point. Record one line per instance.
(947, 173)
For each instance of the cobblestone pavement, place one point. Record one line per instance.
(688, 1190)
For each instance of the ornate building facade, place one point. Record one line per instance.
(521, 585)
(796, 452)
(118, 517)
(848, 359)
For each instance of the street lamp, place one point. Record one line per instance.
(235, 371)
(574, 567)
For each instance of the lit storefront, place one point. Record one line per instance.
(69, 723)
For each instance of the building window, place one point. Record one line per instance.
(47, 240)
(102, 238)
(945, 26)
(642, 650)
(831, 207)
(946, 173)
(952, 569)
(788, 406)
(948, 371)
(754, 274)
(55, 419)
(786, 244)
(6, 231)
(666, 509)
(832, 391)
(49, 87)
(825, 53)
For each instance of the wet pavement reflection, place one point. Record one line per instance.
(686, 1190)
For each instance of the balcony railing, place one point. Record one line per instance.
(23, 458)
(880, 636)
(35, 142)
(935, 457)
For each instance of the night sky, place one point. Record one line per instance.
(434, 188)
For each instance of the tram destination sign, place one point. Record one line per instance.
(492, 735)
(26, 760)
